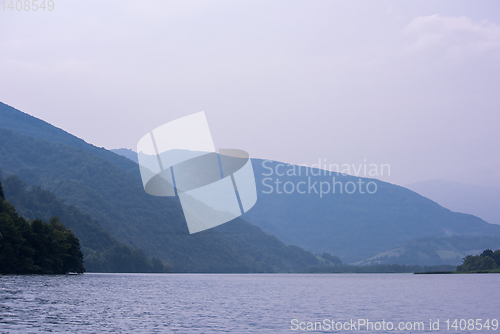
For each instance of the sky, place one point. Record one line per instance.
(411, 84)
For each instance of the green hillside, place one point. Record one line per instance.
(102, 252)
(22, 123)
(156, 225)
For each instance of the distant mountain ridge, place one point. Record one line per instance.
(476, 200)
(351, 226)
(127, 153)
(282, 214)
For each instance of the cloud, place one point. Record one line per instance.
(456, 38)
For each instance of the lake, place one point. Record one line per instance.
(249, 303)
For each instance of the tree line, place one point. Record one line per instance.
(488, 260)
(35, 246)
(101, 251)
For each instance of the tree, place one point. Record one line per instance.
(96, 244)
(482, 262)
(487, 252)
(73, 260)
(496, 257)
(36, 247)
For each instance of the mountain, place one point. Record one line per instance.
(116, 198)
(102, 252)
(477, 200)
(22, 123)
(356, 226)
(434, 251)
(352, 226)
(127, 153)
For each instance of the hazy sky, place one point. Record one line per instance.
(413, 84)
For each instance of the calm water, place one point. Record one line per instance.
(247, 303)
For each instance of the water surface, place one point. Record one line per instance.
(240, 303)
